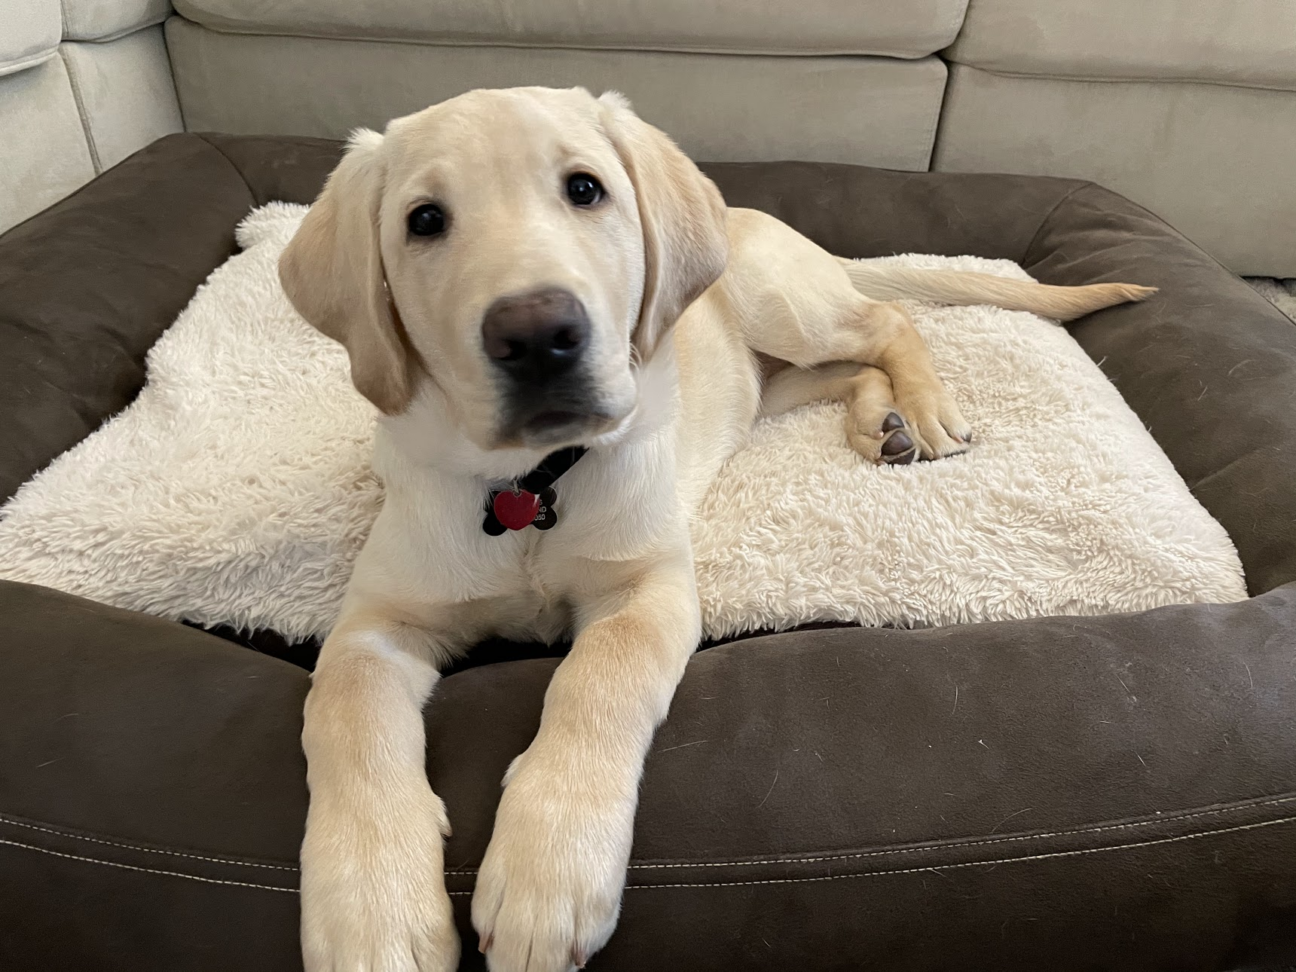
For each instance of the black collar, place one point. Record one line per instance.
(529, 500)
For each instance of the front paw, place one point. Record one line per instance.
(549, 889)
(373, 895)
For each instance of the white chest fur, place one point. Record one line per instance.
(428, 552)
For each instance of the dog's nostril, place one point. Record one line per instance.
(513, 351)
(567, 339)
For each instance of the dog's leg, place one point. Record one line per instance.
(874, 427)
(373, 892)
(793, 301)
(907, 401)
(883, 335)
(549, 889)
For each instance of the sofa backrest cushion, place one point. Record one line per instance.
(29, 33)
(914, 28)
(1252, 43)
(94, 20)
(83, 83)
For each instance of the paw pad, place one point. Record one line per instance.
(897, 448)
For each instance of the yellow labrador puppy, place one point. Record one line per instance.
(567, 334)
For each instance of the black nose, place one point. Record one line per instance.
(536, 336)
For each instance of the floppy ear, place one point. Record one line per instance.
(683, 217)
(332, 271)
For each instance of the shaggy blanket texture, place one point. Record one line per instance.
(1280, 293)
(237, 490)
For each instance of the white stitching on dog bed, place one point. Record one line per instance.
(956, 844)
(951, 867)
(712, 884)
(146, 850)
(144, 870)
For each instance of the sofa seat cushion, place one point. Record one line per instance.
(911, 29)
(1251, 44)
(29, 33)
(1061, 793)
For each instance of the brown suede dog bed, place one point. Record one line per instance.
(1108, 793)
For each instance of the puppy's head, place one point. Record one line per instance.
(521, 251)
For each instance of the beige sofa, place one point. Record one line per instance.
(1189, 109)
(83, 84)
(1186, 107)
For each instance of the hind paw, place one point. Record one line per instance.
(886, 440)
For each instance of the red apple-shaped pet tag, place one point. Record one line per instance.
(516, 510)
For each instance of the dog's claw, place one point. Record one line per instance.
(485, 942)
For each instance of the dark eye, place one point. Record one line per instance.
(583, 189)
(427, 220)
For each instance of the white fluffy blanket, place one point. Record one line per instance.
(236, 489)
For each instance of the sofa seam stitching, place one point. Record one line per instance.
(933, 127)
(1006, 839)
(967, 864)
(79, 99)
(146, 850)
(938, 132)
(145, 870)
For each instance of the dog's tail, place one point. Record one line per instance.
(960, 287)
